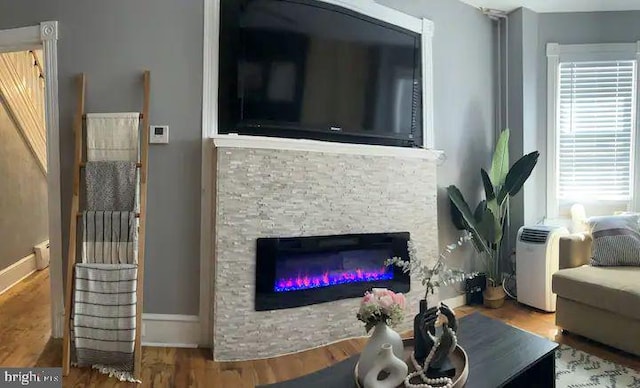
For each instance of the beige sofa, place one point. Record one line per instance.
(601, 303)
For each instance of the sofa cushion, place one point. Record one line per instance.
(615, 289)
(616, 240)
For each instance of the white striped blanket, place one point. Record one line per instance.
(109, 237)
(104, 316)
(104, 309)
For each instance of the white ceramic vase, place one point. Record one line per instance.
(382, 334)
(386, 361)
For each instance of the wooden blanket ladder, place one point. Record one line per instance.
(78, 165)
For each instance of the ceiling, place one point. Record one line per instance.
(558, 5)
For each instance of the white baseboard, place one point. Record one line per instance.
(171, 330)
(456, 301)
(183, 331)
(16, 272)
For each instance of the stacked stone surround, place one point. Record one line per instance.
(289, 193)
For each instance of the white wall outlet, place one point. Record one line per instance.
(159, 134)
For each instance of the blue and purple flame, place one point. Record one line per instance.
(303, 282)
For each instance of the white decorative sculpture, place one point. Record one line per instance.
(382, 334)
(386, 361)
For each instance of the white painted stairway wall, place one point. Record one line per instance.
(22, 90)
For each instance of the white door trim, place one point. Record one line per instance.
(553, 62)
(209, 128)
(45, 36)
(428, 131)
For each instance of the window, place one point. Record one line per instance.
(592, 129)
(595, 126)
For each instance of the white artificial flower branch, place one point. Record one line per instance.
(437, 275)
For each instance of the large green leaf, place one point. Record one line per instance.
(494, 207)
(498, 227)
(517, 175)
(479, 212)
(500, 161)
(457, 199)
(489, 192)
(487, 226)
(456, 217)
(488, 185)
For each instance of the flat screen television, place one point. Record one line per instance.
(308, 69)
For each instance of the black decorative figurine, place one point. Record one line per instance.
(439, 364)
(423, 323)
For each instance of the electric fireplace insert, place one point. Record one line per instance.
(299, 271)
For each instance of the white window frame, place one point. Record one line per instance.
(557, 53)
(211, 44)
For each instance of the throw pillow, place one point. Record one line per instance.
(616, 240)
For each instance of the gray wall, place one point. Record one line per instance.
(463, 51)
(529, 34)
(23, 195)
(520, 109)
(574, 28)
(513, 106)
(113, 41)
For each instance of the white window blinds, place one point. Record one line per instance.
(596, 120)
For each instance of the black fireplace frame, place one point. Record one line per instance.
(268, 249)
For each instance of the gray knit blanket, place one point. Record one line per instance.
(110, 185)
(109, 237)
(104, 316)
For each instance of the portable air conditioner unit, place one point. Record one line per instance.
(537, 251)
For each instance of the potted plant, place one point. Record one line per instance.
(486, 224)
(432, 277)
(436, 275)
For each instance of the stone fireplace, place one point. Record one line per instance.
(269, 189)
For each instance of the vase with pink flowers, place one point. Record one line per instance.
(380, 310)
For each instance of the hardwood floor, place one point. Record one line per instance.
(25, 328)
(25, 321)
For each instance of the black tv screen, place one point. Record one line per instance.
(304, 68)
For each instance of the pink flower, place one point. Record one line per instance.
(381, 305)
(386, 302)
(380, 292)
(400, 300)
(384, 299)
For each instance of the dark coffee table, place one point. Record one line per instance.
(499, 356)
(504, 356)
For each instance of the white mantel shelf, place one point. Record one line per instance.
(277, 143)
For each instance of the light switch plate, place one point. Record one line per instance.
(159, 134)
